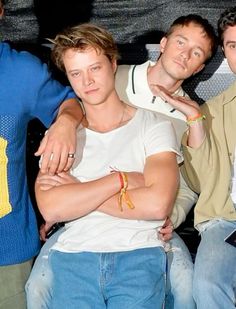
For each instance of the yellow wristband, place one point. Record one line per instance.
(123, 196)
(199, 117)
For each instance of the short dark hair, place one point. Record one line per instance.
(227, 19)
(198, 20)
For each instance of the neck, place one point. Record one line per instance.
(106, 117)
(158, 76)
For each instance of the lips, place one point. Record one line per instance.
(180, 63)
(90, 91)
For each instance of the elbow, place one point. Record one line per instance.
(48, 212)
(49, 216)
(162, 208)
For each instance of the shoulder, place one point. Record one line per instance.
(216, 104)
(22, 59)
(124, 69)
(153, 119)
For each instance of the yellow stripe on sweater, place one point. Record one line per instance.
(5, 206)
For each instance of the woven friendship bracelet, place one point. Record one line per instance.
(123, 196)
(198, 117)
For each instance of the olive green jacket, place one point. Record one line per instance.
(208, 169)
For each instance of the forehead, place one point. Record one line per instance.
(194, 35)
(230, 34)
(191, 30)
(83, 56)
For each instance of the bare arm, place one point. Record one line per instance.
(190, 109)
(70, 201)
(62, 197)
(63, 201)
(60, 139)
(154, 200)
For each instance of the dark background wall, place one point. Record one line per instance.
(129, 21)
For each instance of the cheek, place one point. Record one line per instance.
(75, 85)
(232, 65)
(231, 59)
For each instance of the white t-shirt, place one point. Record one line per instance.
(125, 148)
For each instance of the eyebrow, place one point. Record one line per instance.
(230, 42)
(91, 65)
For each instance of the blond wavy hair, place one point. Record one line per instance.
(82, 37)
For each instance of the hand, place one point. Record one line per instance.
(57, 144)
(188, 107)
(43, 230)
(165, 233)
(48, 182)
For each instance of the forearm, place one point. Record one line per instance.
(61, 139)
(196, 168)
(153, 202)
(141, 210)
(71, 112)
(196, 134)
(70, 201)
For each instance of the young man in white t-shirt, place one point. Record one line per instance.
(120, 191)
(136, 85)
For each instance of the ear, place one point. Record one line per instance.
(163, 44)
(202, 66)
(114, 65)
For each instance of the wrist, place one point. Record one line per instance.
(67, 119)
(195, 118)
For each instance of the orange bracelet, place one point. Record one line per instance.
(196, 118)
(121, 181)
(123, 196)
(192, 118)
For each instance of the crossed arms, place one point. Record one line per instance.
(64, 198)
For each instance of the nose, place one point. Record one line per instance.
(88, 79)
(185, 54)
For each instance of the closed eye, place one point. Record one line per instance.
(95, 68)
(75, 74)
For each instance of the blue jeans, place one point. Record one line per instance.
(214, 284)
(179, 277)
(179, 289)
(131, 279)
(39, 285)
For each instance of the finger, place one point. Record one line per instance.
(42, 146)
(54, 162)
(69, 164)
(50, 182)
(66, 160)
(45, 161)
(47, 177)
(166, 237)
(166, 231)
(42, 233)
(45, 187)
